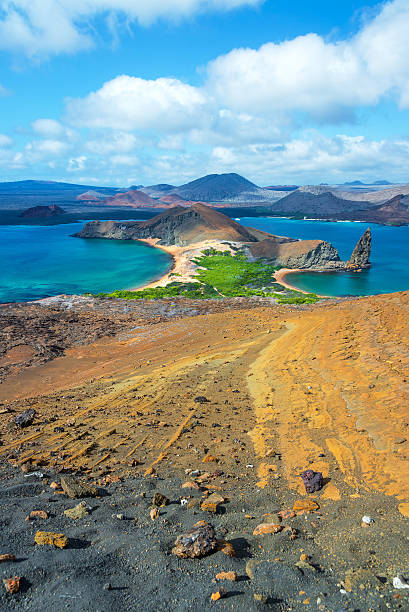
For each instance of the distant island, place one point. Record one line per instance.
(42, 212)
(379, 202)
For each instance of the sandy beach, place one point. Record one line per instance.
(280, 277)
(183, 266)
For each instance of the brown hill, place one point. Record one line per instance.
(177, 226)
(393, 212)
(133, 199)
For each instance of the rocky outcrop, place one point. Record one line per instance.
(302, 254)
(361, 253)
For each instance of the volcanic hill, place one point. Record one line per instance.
(42, 212)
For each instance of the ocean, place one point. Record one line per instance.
(42, 261)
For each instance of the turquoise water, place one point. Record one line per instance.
(390, 255)
(38, 262)
(41, 261)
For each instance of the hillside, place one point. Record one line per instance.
(319, 203)
(216, 187)
(132, 199)
(42, 212)
(394, 212)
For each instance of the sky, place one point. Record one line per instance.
(132, 92)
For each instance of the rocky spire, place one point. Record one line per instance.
(362, 252)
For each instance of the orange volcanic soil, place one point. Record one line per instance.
(322, 387)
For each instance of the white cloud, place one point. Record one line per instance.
(129, 103)
(318, 77)
(117, 142)
(76, 164)
(49, 128)
(41, 149)
(5, 141)
(43, 27)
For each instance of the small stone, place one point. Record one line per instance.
(312, 481)
(399, 582)
(261, 597)
(305, 505)
(366, 521)
(267, 528)
(226, 548)
(55, 486)
(227, 576)
(79, 511)
(209, 459)
(207, 506)
(218, 595)
(7, 557)
(154, 514)
(74, 488)
(37, 514)
(120, 517)
(26, 418)
(197, 542)
(43, 538)
(191, 485)
(216, 498)
(201, 399)
(160, 501)
(194, 503)
(107, 586)
(12, 585)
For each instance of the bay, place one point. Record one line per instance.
(42, 261)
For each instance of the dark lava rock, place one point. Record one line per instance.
(197, 542)
(201, 399)
(312, 481)
(74, 489)
(160, 501)
(25, 418)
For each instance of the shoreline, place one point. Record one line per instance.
(281, 275)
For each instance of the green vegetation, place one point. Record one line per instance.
(222, 274)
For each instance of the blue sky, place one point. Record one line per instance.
(121, 92)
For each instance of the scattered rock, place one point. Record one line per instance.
(207, 506)
(191, 485)
(194, 503)
(26, 418)
(216, 498)
(399, 582)
(160, 501)
(42, 538)
(312, 481)
(55, 486)
(197, 542)
(261, 598)
(154, 514)
(12, 585)
(79, 511)
(267, 528)
(226, 548)
(366, 521)
(74, 489)
(201, 399)
(37, 514)
(107, 586)
(7, 557)
(218, 595)
(227, 576)
(209, 459)
(304, 506)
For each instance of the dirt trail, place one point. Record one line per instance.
(323, 387)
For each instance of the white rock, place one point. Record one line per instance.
(367, 520)
(399, 582)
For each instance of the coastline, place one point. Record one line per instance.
(281, 275)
